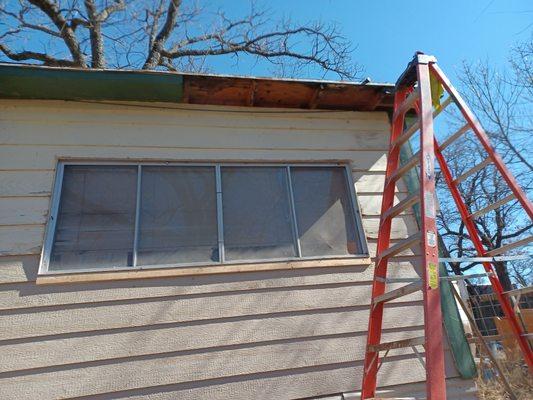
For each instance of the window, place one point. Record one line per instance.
(96, 219)
(256, 213)
(178, 215)
(142, 216)
(324, 212)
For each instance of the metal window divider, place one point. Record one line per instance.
(295, 230)
(356, 210)
(137, 216)
(52, 222)
(220, 216)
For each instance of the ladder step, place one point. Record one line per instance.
(519, 292)
(401, 206)
(485, 259)
(397, 293)
(398, 173)
(493, 206)
(392, 398)
(454, 137)
(407, 104)
(399, 247)
(405, 136)
(509, 246)
(399, 344)
(398, 280)
(463, 277)
(473, 170)
(443, 106)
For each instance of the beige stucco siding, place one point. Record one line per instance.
(269, 335)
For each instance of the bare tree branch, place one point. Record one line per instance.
(326, 50)
(30, 55)
(154, 52)
(51, 9)
(169, 34)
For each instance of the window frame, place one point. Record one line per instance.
(50, 229)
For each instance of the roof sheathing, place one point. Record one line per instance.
(38, 82)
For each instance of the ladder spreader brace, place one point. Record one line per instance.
(413, 91)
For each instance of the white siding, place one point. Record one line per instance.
(262, 335)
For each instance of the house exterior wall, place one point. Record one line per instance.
(281, 334)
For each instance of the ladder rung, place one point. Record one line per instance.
(400, 246)
(407, 104)
(401, 206)
(473, 170)
(443, 106)
(509, 246)
(493, 206)
(398, 280)
(396, 293)
(485, 259)
(392, 398)
(398, 173)
(399, 344)
(519, 292)
(405, 136)
(454, 137)
(462, 277)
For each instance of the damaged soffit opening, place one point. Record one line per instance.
(50, 83)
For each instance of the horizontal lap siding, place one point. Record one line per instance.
(280, 334)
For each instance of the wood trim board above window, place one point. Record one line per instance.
(140, 216)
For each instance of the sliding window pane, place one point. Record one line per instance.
(257, 217)
(178, 221)
(324, 211)
(95, 225)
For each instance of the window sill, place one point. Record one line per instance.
(102, 276)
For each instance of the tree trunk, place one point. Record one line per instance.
(95, 32)
(503, 275)
(154, 53)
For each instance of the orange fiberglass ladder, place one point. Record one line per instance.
(414, 91)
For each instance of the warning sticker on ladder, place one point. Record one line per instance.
(431, 238)
(429, 205)
(433, 276)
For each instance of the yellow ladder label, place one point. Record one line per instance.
(433, 276)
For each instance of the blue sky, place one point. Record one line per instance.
(388, 32)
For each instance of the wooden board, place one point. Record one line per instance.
(183, 337)
(23, 210)
(508, 338)
(54, 320)
(175, 369)
(200, 270)
(28, 183)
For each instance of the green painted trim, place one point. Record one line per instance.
(462, 355)
(68, 84)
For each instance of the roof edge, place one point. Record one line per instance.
(25, 81)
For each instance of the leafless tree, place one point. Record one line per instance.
(164, 34)
(503, 102)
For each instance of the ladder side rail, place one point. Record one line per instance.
(483, 138)
(380, 270)
(478, 244)
(434, 350)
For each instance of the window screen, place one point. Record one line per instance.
(178, 217)
(135, 216)
(323, 211)
(95, 223)
(257, 215)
